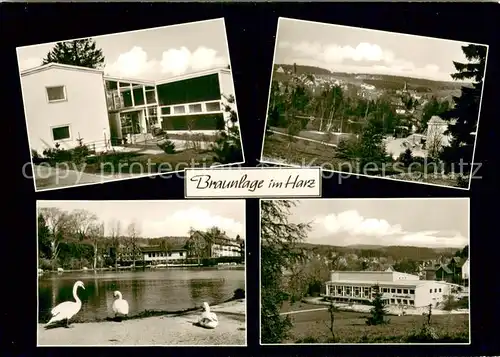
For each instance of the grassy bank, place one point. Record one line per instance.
(171, 329)
(350, 327)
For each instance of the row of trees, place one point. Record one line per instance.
(67, 236)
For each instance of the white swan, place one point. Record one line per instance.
(120, 306)
(208, 319)
(67, 309)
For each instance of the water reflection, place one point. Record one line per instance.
(166, 290)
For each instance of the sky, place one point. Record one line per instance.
(152, 54)
(425, 222)
(357, 50)
(164, 218)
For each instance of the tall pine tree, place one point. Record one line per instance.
(83, 53)
(466, 109)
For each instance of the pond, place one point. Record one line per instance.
(164, 290)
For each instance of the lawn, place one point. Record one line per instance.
(279, 149)
(350, 327)
(135, 163)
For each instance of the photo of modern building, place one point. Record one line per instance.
(396, 288)
(57, 98)
(130, 104)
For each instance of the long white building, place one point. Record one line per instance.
(396, 288)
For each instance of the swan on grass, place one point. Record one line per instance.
(66, 310)
(208, 319)
(120, 306)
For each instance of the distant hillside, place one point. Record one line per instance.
(395, 252)
(382, 81)
(301, 69)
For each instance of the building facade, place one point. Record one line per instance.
(157, 255)
(396, 288)
(466, 272)
(68, 105)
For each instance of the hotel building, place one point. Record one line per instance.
(396, 288)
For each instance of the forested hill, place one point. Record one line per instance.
(395, 252)
(302, 69)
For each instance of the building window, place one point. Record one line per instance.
(439, 289)
(56, 94)
(150, 96)
(393, 301)
(435, 290)
(399, 291)
(412, 292)
(405, 291)
(61, 133)
(213, 106)
(430, 290)
(384, 290)
(412, 302)
(393, 291)
(195, 108)
(180, 109)
(165, 110)
(181, 254)
(399, 301)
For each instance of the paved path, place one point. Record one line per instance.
(299, 311)
(50, 177)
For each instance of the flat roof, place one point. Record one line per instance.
(47, 66)
(193, 75)
(384, 283)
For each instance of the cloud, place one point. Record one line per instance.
(30, 62)
(136, 62)
(362, 230)
(179, 223)
(353, 223)
(364, 57)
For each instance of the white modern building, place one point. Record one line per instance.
(68, 105)
(396, 288)
(225, 248)
(156, 255)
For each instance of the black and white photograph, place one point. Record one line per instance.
(365, 271)
(141, 273)
(130, 104)
(374, 103)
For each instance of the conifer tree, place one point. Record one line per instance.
(82, 53)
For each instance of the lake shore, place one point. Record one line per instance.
(172, 330)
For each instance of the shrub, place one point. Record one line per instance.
(239, 294)
(44, 264)
(462, 181)
(406, 158)
(167, 146)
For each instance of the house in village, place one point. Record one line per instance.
(189, 249)
(67, 105)
(466, 272)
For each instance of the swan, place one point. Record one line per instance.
(67, 309)
(120, 306)
(208, 319)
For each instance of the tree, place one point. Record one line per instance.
(167, 246)
(197, 245)
(378, 312)
(43, 239)
(82, 223)
(96, 234)
(431, 108)
(82, 53)
(133, 240)
(466, 109)
(406, 158)
(57, 223)
(279, 253)
(371, 148)
(115, 232)
(407, 266)
(227, 147)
